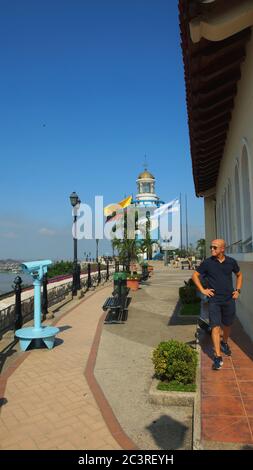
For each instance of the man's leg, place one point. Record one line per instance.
(216, 340)
(226, 333)
(228, 316)
(215, 322)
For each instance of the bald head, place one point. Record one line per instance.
(218, 247)
(219, 242)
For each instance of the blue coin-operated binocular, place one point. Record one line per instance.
(47, 333)
(36, 268)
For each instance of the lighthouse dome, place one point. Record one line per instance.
(145, 175)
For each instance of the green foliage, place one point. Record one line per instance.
(188, 293)
(181, 253)
(60, 267)
(175, 386)
(128, 249)
(134, 276)
(201, 247)
(190, 309)
(174, 360)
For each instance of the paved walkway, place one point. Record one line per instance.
(50, 399)
(124, 367)
(46, 399)
(227, 403)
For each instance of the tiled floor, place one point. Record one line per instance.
(227, 394)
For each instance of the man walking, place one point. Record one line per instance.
(218, 271)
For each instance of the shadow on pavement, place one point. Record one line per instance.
(241, 339)
(7, 352)
(39, 344)
(168, 433)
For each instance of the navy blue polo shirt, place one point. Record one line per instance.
(219, 276)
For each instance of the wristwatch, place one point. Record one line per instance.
(238, 290)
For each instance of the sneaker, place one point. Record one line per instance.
(225, 348)
(217, 363)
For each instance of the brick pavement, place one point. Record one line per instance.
(226, 394)
(47, 401)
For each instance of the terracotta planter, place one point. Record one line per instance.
(133, 284)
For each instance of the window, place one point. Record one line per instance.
(146, 187)
(230, 216)
(218, 220)
(224, 215)
(247, 230)
(238, 217)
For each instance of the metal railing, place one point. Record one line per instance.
(55, 295)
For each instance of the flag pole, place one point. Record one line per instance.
(186, 223)
(181, 234)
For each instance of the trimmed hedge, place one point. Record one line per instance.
(175, 360)
(188, 293)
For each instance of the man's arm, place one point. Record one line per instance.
(196, 280)
(238, 285)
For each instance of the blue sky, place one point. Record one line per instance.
(88, 87)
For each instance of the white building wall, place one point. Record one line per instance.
(239, 141)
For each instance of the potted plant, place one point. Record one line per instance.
(133, 281)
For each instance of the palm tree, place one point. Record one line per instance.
(128, 250)
(146, 246)
(147, 242)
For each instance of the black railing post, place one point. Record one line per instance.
(107, 270)
(144, 273)
(89, 281)
(99, 273)
(74, 283)
(44, 302)
(18, 311)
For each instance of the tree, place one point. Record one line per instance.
(201, 247)
(128, 250)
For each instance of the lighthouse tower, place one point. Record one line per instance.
(147, 197)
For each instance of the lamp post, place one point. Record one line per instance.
(97, 241)
(167, 242)
(75, 201)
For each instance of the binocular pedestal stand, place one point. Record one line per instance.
(46, 333)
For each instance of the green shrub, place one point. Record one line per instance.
(190, 309)
(174, 360)
(188, 293)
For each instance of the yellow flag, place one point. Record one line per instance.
(108, 210)
(126, 202)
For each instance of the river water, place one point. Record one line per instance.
(7, 278)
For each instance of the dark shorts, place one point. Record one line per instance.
(221, 313)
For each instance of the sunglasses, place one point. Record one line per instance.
(212, 247)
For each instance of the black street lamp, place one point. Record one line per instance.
(75, 201)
